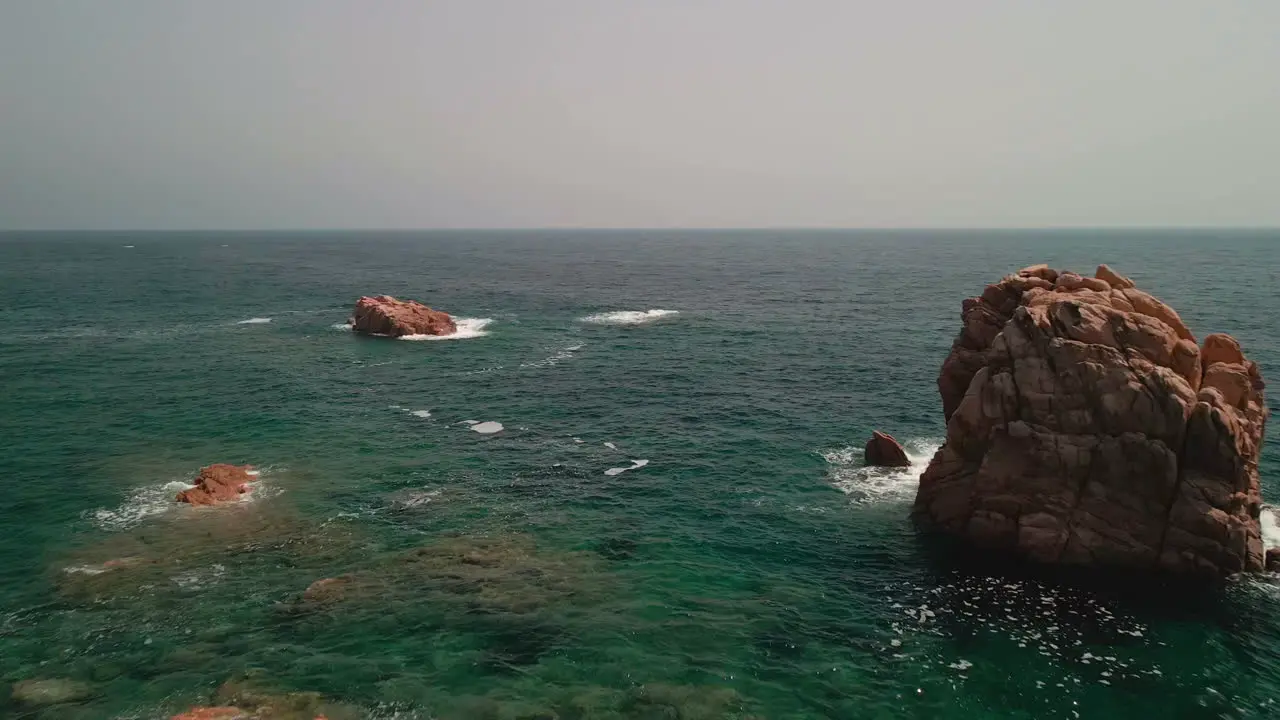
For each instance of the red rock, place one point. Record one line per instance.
(218, 483)
(385, 315)
(1086, 427)
(1113, 278)
(883, 451)
(1273, 560)
(212, 713)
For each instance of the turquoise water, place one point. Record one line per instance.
(751, 568)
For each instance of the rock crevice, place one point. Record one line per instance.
(1086, 426)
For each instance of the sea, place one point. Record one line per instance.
(631, 486)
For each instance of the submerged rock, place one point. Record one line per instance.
(53, 691)
(219, 483)
(1085, 426)
(212, 713)
(326, 590)
(243, 698)
(883, 451)
(385, 315)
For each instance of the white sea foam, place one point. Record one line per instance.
(341, 326)
(635, 465)
(85, 570)
(611, 446)
(487, 428)
(415, 498)
(873, 484)
(143, 503)
(628, 317)
(420, 413)
(255, 321)
(468, 422)
(199, 578)
(467, 328)
(128, 246)
(1087, 637)
(559, 357)
(1270, 521)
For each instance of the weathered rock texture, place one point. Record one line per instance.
(219, 483)
(1085, 426)
(385, 315)
(883, 451)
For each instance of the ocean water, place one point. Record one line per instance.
(668, 520)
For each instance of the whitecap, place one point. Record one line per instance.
(1270, 522)
(627, 317)
(420, 413)
(254, 321)
(85, 570)
(611, 446)
(341, 326)
(469, 422)
(143, 503)
(635, 465)
(128, 246)
(487, 428)
(864, 484)
(467, 328)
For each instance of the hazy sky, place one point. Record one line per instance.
(638, 113)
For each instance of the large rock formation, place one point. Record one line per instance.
(882, 450)
(219, 483)
(385, 315)
(1086, 427)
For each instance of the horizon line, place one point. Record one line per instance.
(672, 228)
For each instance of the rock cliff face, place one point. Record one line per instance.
(219, 483)
(1085, 426)
(385, 315)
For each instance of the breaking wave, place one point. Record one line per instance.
(1270, 521)
(467, 328)
(863, 484)
(141, 504)
(255, 321)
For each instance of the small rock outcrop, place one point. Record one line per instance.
(1273, 560)
(883, 451)
(385, 315)
(219, 483)
(1086, 426)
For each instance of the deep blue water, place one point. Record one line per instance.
(752, 568)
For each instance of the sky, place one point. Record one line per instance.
(305, 114)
